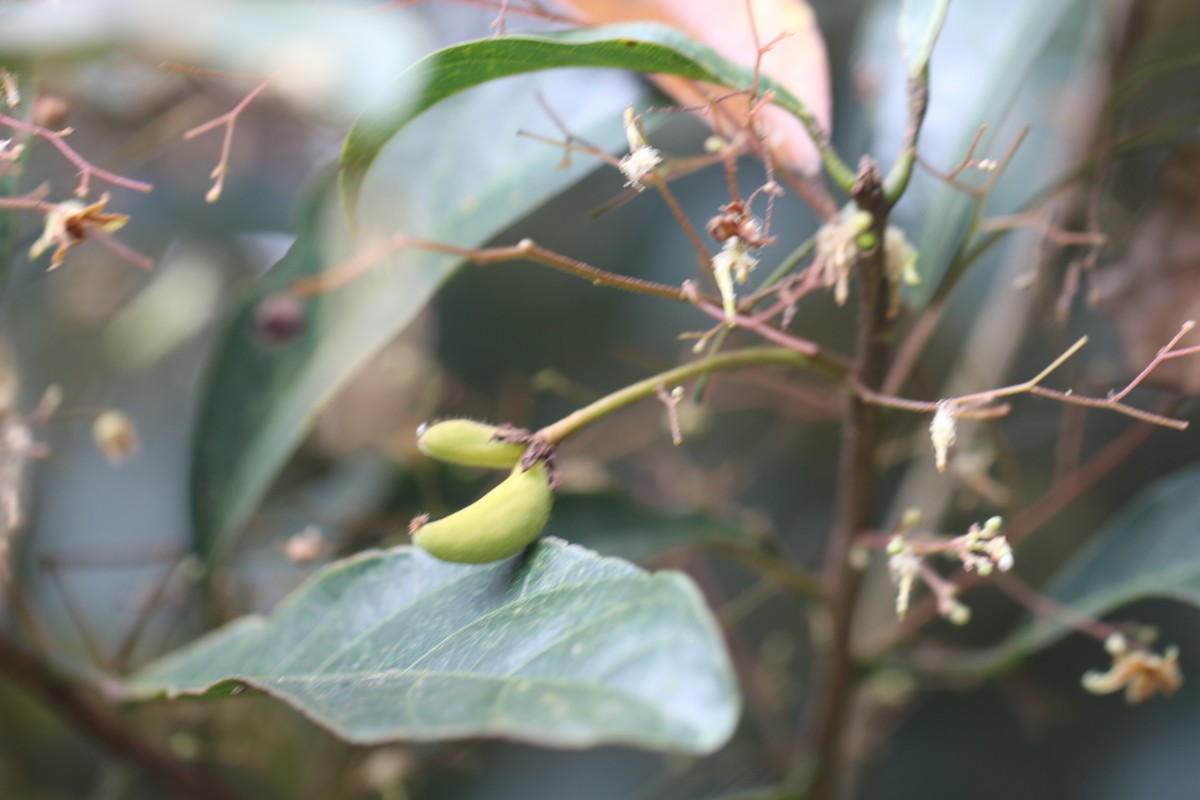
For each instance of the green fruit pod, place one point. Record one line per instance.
(498, 525)
(469, 443)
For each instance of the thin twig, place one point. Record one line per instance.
(229, 121)
(1041, 605)
(525, 250)
(1164, 353)
(1030, 521)
(1039, 221)
(87, 170)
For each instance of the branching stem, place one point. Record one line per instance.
(87, 170)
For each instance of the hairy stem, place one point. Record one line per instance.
(581, 418)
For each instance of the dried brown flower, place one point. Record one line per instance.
(67, 225)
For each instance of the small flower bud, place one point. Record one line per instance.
(942, 433)
(633, 130)
(305, 546)
(279, 318)
(115, 435)
(867, 240)
(958, 613)
(51, 111)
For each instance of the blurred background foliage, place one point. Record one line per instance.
(517, 343)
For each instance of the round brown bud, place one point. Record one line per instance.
(279, 318)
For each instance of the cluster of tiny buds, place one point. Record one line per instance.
(981, 549)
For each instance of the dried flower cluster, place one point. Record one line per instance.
(1141, 673)
(67, 225)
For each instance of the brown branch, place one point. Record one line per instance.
(968, 162)
(87, 170)
(525, 250)
(855, 500)
(108, 731)
(1040, 222)
(759, 327)
(229, 121)
(1041, 605)
(1163, 354)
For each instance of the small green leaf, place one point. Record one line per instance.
(920, 23)
(1150, 549)
(560, 647)
(641, 47)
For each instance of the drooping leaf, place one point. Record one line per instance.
(644, 48)
(461, 176)
(796, 59)
(1150, 549)
(561, 648)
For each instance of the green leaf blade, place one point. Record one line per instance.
(562, 648)
(639, 47)
(920, 25)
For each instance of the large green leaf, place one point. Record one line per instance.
(1150, 549)
(459, 174)
(561, 648)
(639, 47)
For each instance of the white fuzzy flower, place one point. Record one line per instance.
(942, 433)
(733, 263)
(638, 164)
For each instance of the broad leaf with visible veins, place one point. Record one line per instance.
(560, 647)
